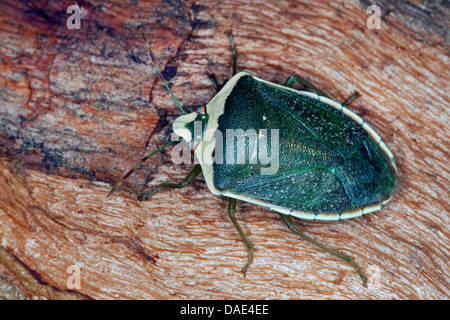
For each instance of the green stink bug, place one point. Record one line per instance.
(325, 162)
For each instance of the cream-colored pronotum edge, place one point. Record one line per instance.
(205, 148)
(179, 126)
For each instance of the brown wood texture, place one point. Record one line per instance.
(80, 107)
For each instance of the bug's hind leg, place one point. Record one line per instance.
(349, 100)
(166, 185)
(291, 225)
(293, 79)
(231, 213)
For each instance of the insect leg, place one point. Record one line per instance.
(118, 184)
(291, 225)
(213, 79)
(233, 52)
(293, 79)
(349, 100)
(166, 185)
(231, 213)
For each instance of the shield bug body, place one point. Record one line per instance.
(296, 152)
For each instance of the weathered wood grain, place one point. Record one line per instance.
(80, 107)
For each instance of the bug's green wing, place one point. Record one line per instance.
(327, 163)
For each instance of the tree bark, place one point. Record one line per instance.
(79, 107)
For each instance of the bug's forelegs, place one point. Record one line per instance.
(166, 185)
(231, 213)
(291, 224)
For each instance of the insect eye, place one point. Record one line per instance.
(201, 110)
(193, 145)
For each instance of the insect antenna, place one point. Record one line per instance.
(118, 184)
(160, 74)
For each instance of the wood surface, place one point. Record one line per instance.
(80, 107)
